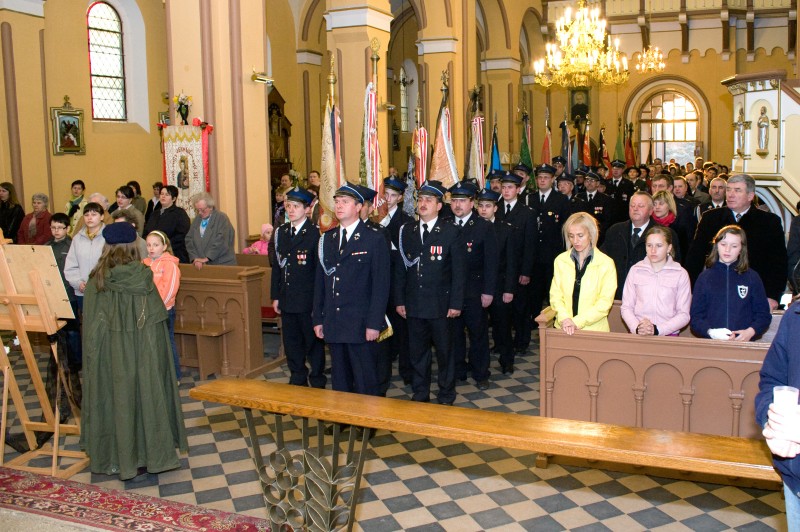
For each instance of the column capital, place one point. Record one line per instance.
(501, 63)
(437, 46)
(358, 16)
(309, 57)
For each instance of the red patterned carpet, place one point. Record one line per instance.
(111, 509)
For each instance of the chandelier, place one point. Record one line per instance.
(583, 54)
(650, 60)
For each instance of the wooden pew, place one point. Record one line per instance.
(268, 315)
(218, 321)
(676, 383)
(668, 453)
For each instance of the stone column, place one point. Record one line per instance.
(352, 26)
(502, 96)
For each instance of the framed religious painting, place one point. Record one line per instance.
(579, 105)
(67, 129)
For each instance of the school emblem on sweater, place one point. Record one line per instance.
(742, 291)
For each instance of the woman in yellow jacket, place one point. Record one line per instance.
(584, 279)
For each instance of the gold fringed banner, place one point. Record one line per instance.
(185, 154)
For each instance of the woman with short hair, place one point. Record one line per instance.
(35, 227)
(584, 279)
(172, 221)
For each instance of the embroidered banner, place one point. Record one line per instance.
(186, 162)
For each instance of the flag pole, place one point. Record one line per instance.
(332, 83)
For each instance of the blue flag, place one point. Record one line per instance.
(495, 164)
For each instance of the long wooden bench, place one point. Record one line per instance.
(675, 383)
(726, 456)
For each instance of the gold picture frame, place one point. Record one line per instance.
(67, 129)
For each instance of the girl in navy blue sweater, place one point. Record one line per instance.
(729, 301)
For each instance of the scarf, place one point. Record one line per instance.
(666, 221)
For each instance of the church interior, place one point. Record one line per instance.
(260, 71)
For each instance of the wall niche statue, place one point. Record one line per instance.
(763, 133)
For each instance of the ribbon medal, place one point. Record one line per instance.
(302, 257)
(436, 252)
(469, 247)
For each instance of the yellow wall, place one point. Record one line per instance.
(115, 152)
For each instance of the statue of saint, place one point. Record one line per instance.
(277, 142)
(740, 132)
(763, 130)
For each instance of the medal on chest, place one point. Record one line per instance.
(436, 252)
(469, 247)
(302, 257)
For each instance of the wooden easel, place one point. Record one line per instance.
(32, 295)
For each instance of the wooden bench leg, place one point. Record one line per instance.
(334, 471)
(542, 460)
(209, 354)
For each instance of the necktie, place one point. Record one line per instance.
(591, 196)
(425, 232)
(343, 243)
(635, 236)
(738, 217)
(508, 208)
(294, 232)
(541, 201)
(461, 223)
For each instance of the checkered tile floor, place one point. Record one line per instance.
(413, 483)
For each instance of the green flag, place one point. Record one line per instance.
(524, 149)
(619, 150)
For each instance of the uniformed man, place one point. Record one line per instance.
(619, 189)
(598, 204)
(429, 291)
(559, 163)
(507, 277)
(523, 171)
(350, 295)
(480, 245)
(495, 180)
(566, 185)
(551, 209)
(294, 267)
(397, 344)
(523, 219)
(580, 175)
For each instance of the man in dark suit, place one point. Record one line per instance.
(766, 248)
(350, 294)
(154, 204)
(625, 242)
(294, 259)
(716, 192)
(480, 245)
(523, 219)
(429, 291)
(559, 163)
(551, 209)
(620, 189)
(507, 275)
(597, 204)
(397, 344)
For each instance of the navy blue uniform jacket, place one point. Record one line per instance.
(480, 246)
(425, 285)
(352, 288)
(292, 282)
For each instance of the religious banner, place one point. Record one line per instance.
(186, 161)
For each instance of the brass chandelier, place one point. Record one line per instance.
(650, 60)
(583, 53)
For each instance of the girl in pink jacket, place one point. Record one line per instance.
(167, 278)
(657, 295)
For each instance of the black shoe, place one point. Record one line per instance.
(462, 378)
(446, 403)
(508, 370)
(520, 350)
(483, 385)
(406, 381)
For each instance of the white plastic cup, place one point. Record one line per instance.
(785, 396)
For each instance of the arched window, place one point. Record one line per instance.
(668, 122)
(403, 100)
(106, 64)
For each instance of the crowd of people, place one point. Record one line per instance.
(678, 245)
(119, 263)
(681, 246)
